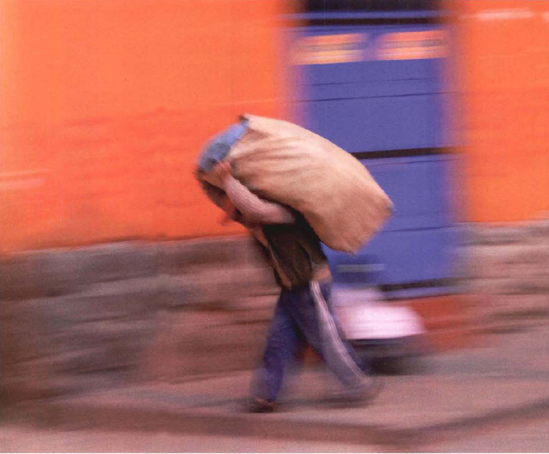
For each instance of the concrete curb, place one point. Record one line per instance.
(84, 415)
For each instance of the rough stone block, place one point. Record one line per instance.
(528, 285)
(491, 287)
(176, 292)
(177, 257)
(102, 302)
(60, 272)
(540, 229)
(508, 260)
(226, 284)
(510, 305)
(21, 344)
(16, 278)
(499, 235)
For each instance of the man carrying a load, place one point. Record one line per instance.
(303, 313)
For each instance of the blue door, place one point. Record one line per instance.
(373, 83)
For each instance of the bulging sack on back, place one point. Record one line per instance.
(283, 162)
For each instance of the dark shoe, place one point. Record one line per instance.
(258, 405)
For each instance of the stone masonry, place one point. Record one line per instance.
(114, 314)
(98, 316)
(507, 266)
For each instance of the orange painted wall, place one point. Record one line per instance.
(503, 64)
(105, 105)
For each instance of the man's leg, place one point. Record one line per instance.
(282, 344)
(314, 315)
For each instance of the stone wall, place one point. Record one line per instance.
(72, 320)
(507, 266)
(78, 319)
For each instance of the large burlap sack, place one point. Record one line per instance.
(283, 162)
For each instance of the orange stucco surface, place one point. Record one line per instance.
(106, 104)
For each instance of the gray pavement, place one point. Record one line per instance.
(21, 439)
(497, 390)
(526, 436)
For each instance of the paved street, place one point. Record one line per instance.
(529, 437)
(15, 439)
(492, 398)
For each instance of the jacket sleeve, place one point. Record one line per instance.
(254, 209)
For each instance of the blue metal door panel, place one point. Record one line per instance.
(384, 123)
(372, 89)
(367, 102)
(399, 258)
(370, 67)
(373, 104)
(418, 189)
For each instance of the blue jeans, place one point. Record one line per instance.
(305, 316)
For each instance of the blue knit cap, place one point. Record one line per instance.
(217, 149)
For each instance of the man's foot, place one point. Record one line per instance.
(258, 405)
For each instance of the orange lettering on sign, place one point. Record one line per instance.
(412, 45)
(329, 49)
